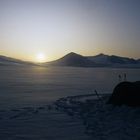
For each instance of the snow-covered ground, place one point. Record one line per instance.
(83, 117)
(39, 123)
(102, 121)
(39, 103)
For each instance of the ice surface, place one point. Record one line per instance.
(27, 111)
(103, 121)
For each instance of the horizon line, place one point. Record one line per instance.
(10, 57)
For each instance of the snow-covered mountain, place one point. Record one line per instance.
(101, 60)
(112, 59)
(75, 60)
(4, 60)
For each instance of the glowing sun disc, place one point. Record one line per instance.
(41, 57)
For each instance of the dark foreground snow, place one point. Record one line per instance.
(40, 123)
(102, 121)
(72, 118)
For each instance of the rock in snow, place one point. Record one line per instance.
(126, 93)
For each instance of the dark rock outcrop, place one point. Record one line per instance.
(126, 93)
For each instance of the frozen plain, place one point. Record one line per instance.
(27, 95)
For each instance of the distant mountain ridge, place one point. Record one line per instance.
(112, 59)
(4, 60)
(73, 59)
(101, 60)
(76, 60)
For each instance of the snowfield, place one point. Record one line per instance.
(39, 103)
(40, 123)
(102, 121)
(81, 117)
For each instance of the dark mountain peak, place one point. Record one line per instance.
(72, 54)
(73, 59)
(101, 55)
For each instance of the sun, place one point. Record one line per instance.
(41, 57)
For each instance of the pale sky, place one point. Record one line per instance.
(48, 29)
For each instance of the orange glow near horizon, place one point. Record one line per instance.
(56, 28)
(42, 56)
